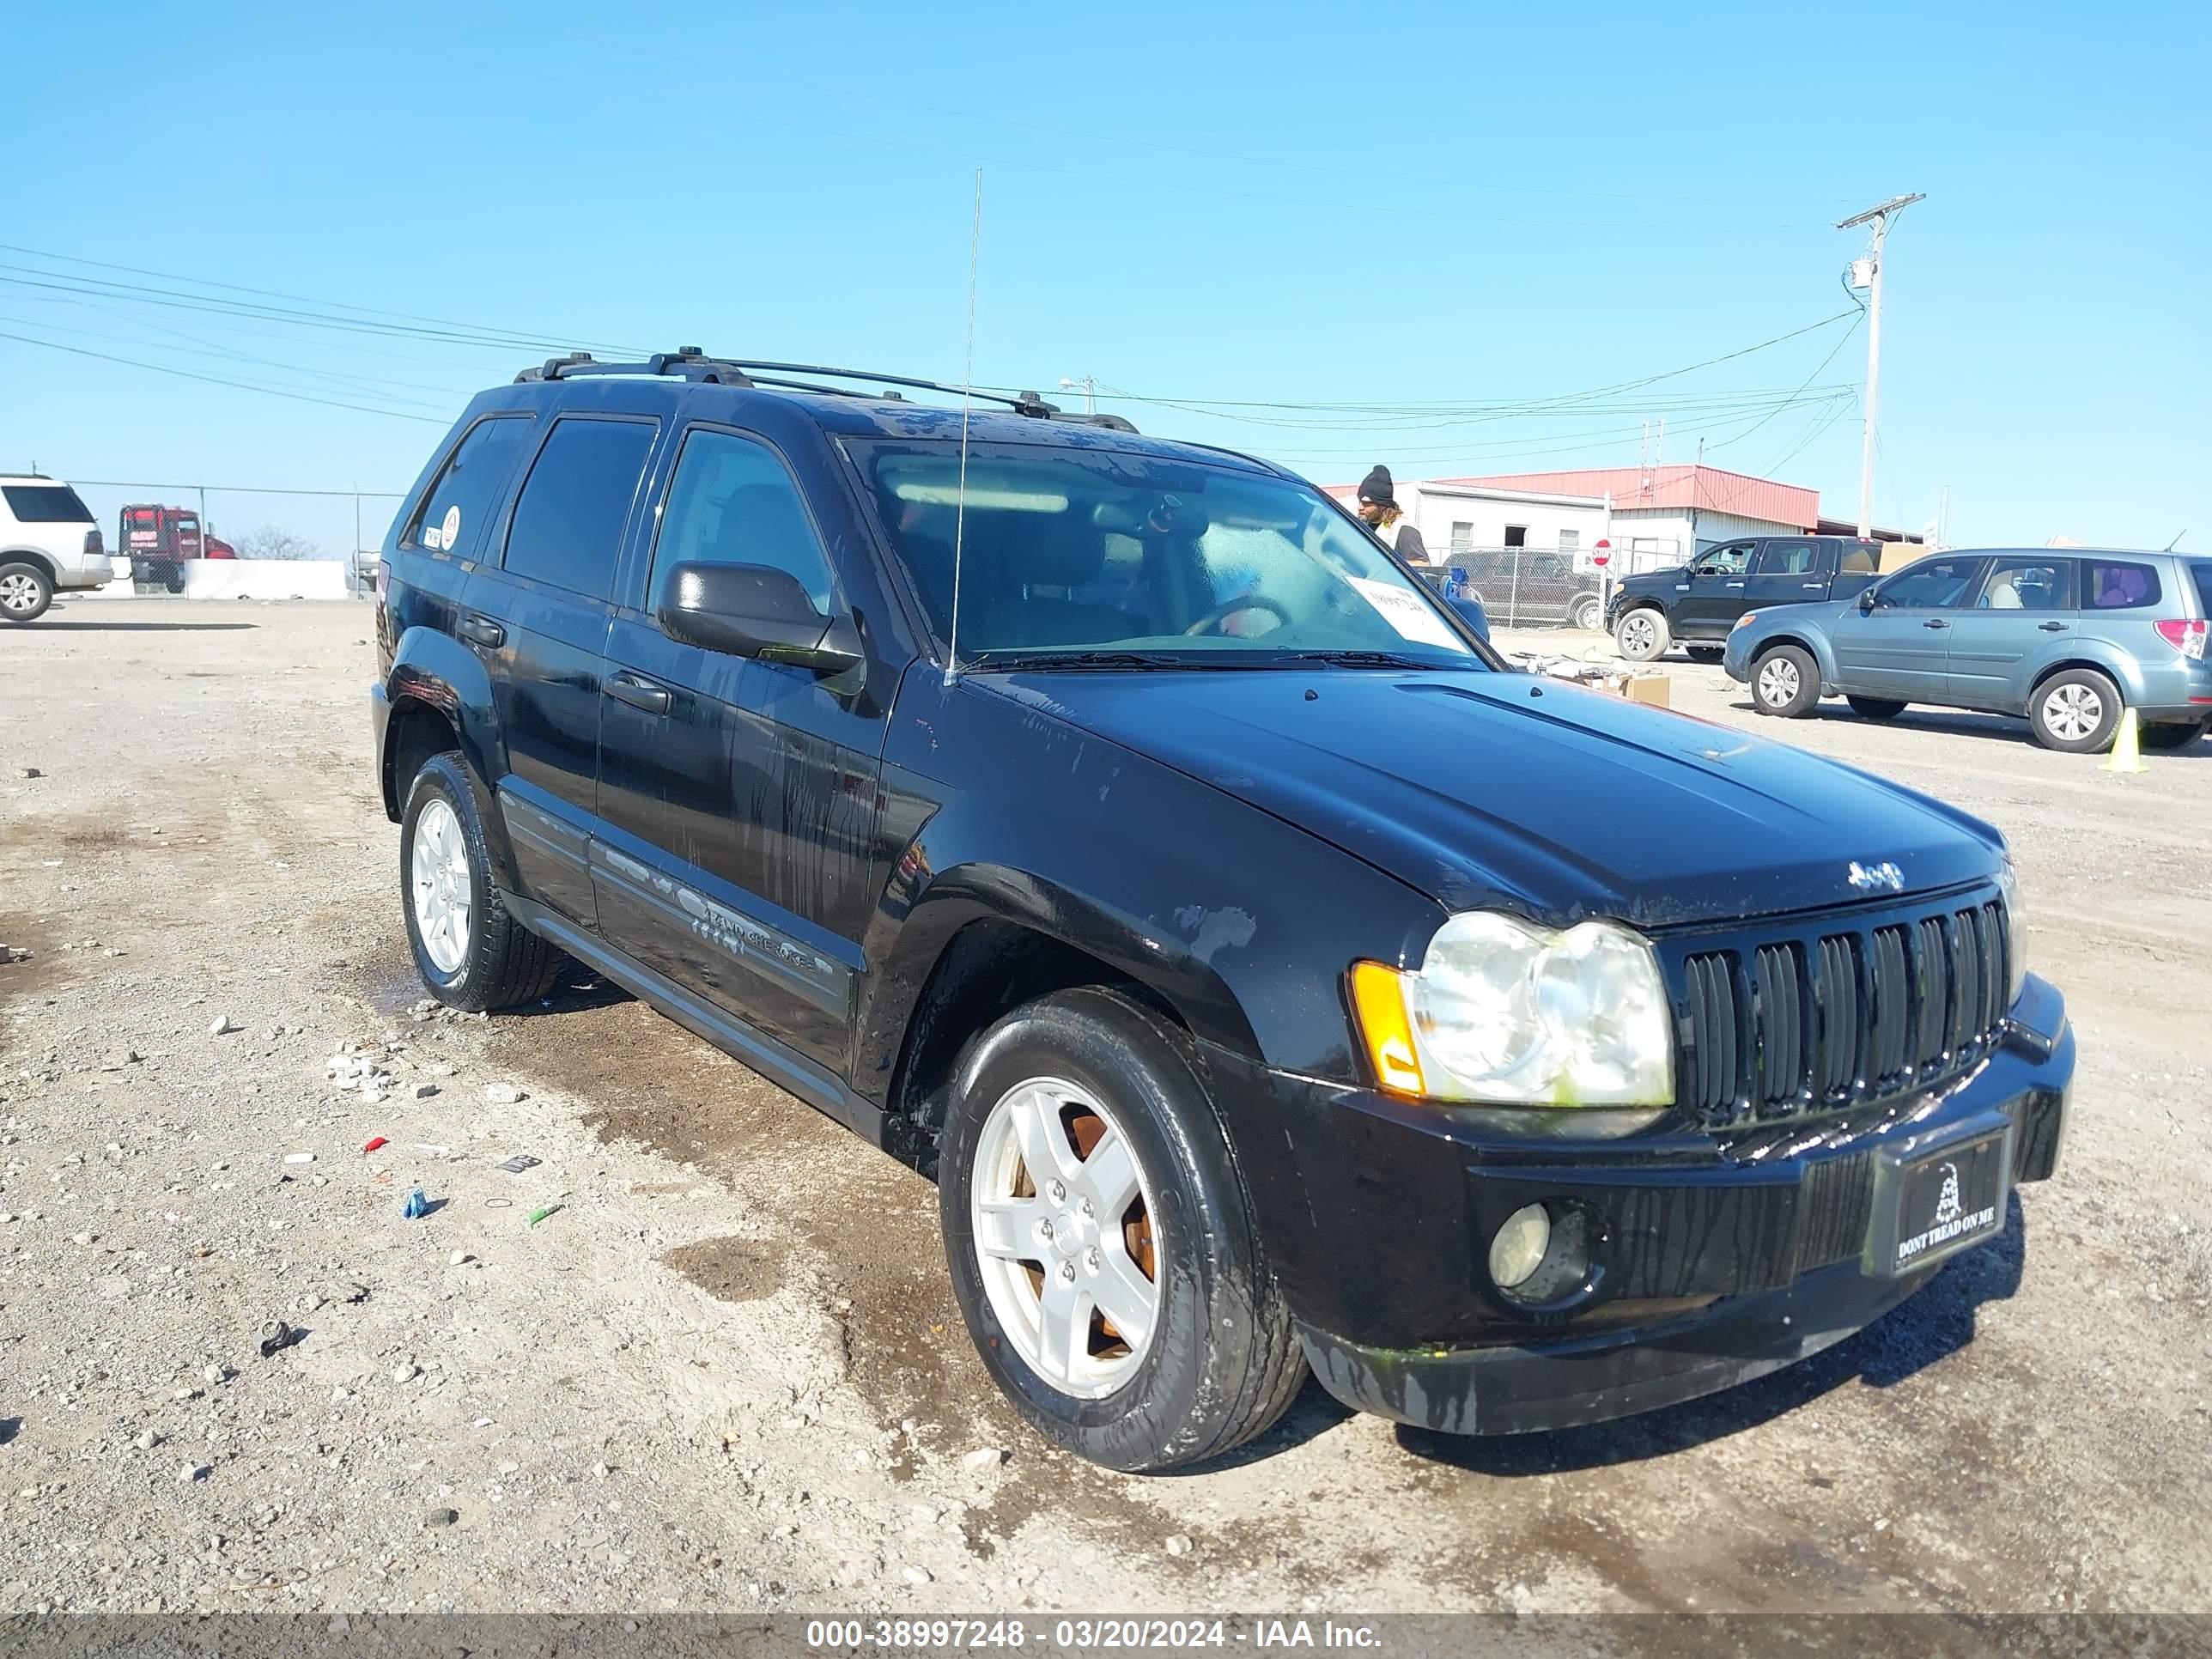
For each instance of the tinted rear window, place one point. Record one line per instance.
(2203, 574)
(2118, 585)
(1857, 561)
(44, 504)
(452, 515)
(569, 519)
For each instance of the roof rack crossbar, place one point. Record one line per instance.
(690, 363)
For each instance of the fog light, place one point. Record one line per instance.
(1518, 1249)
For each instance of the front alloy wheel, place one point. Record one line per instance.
(1063, 1235)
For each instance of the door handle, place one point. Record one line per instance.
(639, 693)
(2052, 627)
(481, 630)
(1812, 587)
(1735, 584)
(1936, 623)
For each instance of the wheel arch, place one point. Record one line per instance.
(2111, 666)
(37, 558)
(1804, 641)
(984, 941)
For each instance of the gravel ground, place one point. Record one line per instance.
(726, 1373)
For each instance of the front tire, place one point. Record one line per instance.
(2075, 712)
(1642, 634)
(1085, 1178)
(471, 953)
(1876, 708)
(1785, 683)
(26, 591)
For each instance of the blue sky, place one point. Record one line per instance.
(1400, 206)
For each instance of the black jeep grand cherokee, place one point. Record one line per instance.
(1265, 975)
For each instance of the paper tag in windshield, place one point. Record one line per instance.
(1412, 619)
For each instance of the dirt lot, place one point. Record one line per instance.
(728, 1374)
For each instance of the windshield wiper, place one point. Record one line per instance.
(1079, 659)
(1365, 658)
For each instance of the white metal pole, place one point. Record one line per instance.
(1874, 383)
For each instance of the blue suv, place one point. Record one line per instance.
(2070, 639)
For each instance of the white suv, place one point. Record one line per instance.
(48, 540)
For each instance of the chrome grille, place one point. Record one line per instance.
(1833, 1017)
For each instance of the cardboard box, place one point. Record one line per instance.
(1648, 689)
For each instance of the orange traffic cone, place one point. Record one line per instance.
(2127, 747)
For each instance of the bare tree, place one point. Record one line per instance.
(275, 542)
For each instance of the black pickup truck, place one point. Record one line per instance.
(1115, 832)
(1697, 603)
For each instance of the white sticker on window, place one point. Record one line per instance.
(433, 538)
(451, 535)
(1407, 614)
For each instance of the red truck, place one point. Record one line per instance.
(159, 539)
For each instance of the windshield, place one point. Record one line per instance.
(1077, 553)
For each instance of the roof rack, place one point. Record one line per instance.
(690, 363)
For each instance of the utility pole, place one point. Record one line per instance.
(1090, 385)
(1880, 218)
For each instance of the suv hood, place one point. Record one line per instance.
(1491, 789)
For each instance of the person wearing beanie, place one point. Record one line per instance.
(1380, 512)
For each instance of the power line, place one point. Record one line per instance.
(217, 380)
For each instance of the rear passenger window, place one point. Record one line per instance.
(452, 517)
(2028, 585)
(733, 503)
(1784, 559)
(2117, 584)
(569, 519)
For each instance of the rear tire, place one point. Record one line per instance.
(2174, 735)
(1057, 1083)
(1587, 615)
(472, 953)
(2075, 712)
(1876, 708)
(1643, 634)
(26, 591)
(1785, 683)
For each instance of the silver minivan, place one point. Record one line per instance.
(2067, 638)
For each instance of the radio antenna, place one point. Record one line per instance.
(967, 403)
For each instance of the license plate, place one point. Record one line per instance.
(1935, 1199)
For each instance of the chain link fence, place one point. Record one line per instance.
(1525, 586)
(222, 537)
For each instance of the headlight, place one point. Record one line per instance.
(2016, 932)
(1746, 620)
(1500, 1011)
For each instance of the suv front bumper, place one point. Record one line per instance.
(1723, 1256)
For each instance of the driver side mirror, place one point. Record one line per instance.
(756, 611)
(1867, 599)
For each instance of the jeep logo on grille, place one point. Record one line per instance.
(1870, 878)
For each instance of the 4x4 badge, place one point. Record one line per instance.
(1867, 878)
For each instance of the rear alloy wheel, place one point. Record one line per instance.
(471, 953)
(1100, 1243)
(2075, 712)
(1587, 615)
(1785, 683)
(26, 591)
(1642, 634)
(2175, 734)
(1876, 708)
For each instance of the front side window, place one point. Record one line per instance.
(44, 504)
(452, 516)
(569, 519)
(733, 503)
(2117, 584)
(1725, 560)
(1063, 550)
(2030, 584)
(1931, 585)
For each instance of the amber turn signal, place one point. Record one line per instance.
(1378, 998)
